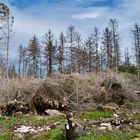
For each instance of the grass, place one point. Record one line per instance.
(136, 116)
(56, 134)
(95, 115)
(5, 136)
(109, 135)
(7, 123)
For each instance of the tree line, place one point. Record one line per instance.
(70, 52)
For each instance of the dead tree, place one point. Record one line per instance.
(136, 34)
(61, 53)
(49, 51)
(71, 40)
(115, 41)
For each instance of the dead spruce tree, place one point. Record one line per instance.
(61, 50)
(136, 34)
(114, 27)
(107, 48)
(49, 51)
(71, 40)
(33, 51)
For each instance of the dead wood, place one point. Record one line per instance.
(114, 91)
(13, 107)
(41, 104)
(112, 121)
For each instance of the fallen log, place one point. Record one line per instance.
(13, 107)
(112, 121)
(42, 104)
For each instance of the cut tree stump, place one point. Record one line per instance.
(73, 130)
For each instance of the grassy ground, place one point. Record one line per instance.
(8, 123)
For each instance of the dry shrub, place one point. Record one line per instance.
(78, 88)
(82, 90)
(21, 89)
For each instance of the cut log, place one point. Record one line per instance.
(73, 130)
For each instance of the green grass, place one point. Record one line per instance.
(93, 133)
(109, 135)
(8, 122)
(5, 136)
(95, 115)
(56, 134)
(136, 116)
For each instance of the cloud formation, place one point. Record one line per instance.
(37, 16)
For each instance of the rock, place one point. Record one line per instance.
(107, 125)
(23, 129)
(52, 112)
(102, 128)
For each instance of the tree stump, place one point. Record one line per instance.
(73, 130)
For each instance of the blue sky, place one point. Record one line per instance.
(80, 3)
(37, 16)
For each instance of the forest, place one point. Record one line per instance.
(69, 87)
(69, 53)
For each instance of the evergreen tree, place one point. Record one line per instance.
(49, 51)
(34, 55)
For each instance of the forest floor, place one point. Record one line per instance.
(35, 127)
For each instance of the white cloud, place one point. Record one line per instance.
(39, 18)
(86, 16)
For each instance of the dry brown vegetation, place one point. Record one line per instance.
(21, 89)
(81, 90)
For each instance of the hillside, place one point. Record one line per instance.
(103, 107)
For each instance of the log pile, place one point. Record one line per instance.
(14, 106)
(41, 104)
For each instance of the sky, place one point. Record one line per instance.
(38, 16)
